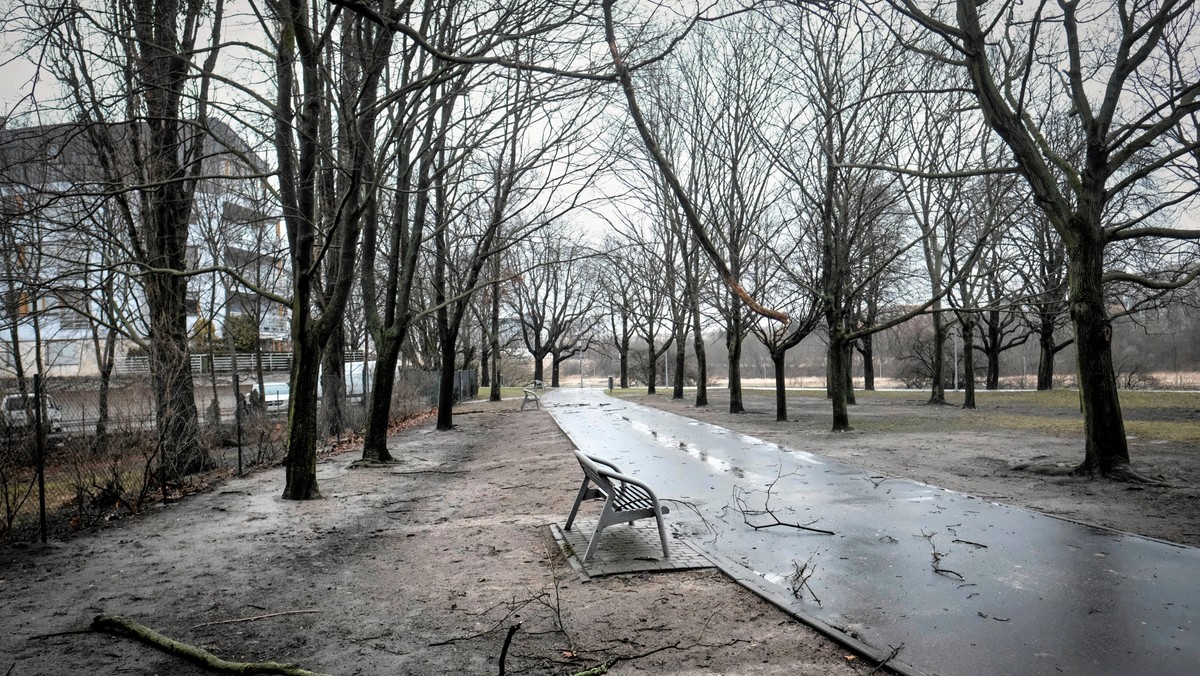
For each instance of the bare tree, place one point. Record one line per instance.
(554, 298)
(136, 79)
(1129, 88)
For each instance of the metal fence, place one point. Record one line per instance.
(80, 472)
(247, 362)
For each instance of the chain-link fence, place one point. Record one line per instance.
(99, 456)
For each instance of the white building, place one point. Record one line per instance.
(67, 276)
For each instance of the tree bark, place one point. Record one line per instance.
(777, 359)
(937, 393)
(839, 375)
(992, 344)
(379, 408)
(867, 350)
(651, 369)
(301, 459)
(967, 323)
(680, 366)
(701, 357)
(733, 340)
(1046, 353)
(333, 383)
(1106, 451)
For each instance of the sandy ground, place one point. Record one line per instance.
(936, 445)
(421, 568)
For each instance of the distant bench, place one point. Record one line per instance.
(530, 395)
(625, 499)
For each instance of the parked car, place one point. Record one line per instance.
(19, 413)
(275, 397)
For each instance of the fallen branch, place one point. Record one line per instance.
(895, 651)
(255, 617)
(937, 558)
(800, 577)
(123, 626)
(507, 642)
(739, 498)
(973, 544)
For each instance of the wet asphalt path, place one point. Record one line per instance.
(1038, 595)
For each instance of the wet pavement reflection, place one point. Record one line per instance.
(1017, 593)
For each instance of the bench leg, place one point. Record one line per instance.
(605, 520)
(578, 501)
(662, 532)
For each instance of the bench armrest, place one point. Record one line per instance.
(601, 461)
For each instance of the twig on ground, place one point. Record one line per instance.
(256, 617)
(696, 510)
(800, 577)
(968, 542)
(895, 651)
(507, 642)
(116, 624)
(604, 666)
(739, 498)
(56, 634)
(937, 558)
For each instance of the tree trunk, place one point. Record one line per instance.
(1106, 449)
(333, 383)
(301, 459)
(993, 349)
(625, 368)
(539, 370)
(968, 354)
(733, 340)
(937, 393)
(701, 359)
(105, 358)
(867, 349)
(1046, 352)
(379, 408)
(171, 374)
(448, 346)
(777, 358)
(652, 369)
(839, 375)
(850, 400)
(555, 363)
(680, 366)
(485, 363)
(494, 338)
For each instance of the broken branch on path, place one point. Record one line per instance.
(937, 558)
(123, 626)
(895, 651)
(800, 577)
(739, 497)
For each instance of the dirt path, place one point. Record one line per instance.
(417, 569)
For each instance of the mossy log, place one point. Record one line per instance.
(116, 624)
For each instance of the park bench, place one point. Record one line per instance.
(530, 395)
(625, 499)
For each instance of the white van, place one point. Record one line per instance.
(18, 413)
